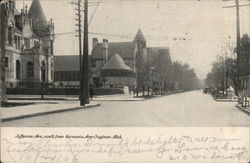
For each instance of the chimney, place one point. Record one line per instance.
(94, 42)
(105, 49)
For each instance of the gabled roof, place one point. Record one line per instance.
(139, 36)
(116, 63)
(66, 63)
(39, 21)
(124, 49)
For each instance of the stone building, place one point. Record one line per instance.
(29, 46)
(131, 54)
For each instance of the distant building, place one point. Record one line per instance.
(127, 55)
(115, 64)
(116, 74)
(159, 59)
(67, 73)
(29, 59)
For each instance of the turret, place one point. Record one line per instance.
(40, 24)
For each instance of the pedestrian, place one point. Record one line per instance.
(91, 92)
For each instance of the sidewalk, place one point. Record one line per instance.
(244, 109)
(13, 113)
(118, 97)
(56, 98)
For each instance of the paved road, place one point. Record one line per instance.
(192, 109)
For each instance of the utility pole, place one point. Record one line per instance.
(237, 5)
(3, 15)
(85, 59)
(79, 30)
(86, 53)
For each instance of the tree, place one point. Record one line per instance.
(229, 66)
(184, 76)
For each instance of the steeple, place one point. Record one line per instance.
(39, 21)
(139, 36)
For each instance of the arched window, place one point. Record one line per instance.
(18, 70)
(30, 70)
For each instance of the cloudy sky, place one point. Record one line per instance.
(193, 30)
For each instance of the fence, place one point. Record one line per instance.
(60, 91)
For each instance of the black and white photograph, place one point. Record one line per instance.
(104, 63)
(125, 63)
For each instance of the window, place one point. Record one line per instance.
(18, 70)
(51, 47)
(93, 63)
(30, 70)
(16, 41)
(19, 42)
(10, 35)
(7, 62)
(27, 43)
(36, 43)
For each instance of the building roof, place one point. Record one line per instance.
(39, 21)
(139, 36)
(124, 49)
(116, 63)
(159, 54)
(66, 63)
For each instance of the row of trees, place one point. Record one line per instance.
(227, 71)
(161, 75)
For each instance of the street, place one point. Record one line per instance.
(189, 109)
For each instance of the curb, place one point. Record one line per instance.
(47, 112)
(223, 100)
(159, 96)
(245, 111)
(118, 100)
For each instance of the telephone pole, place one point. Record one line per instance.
(3, 15)
(237, 6)
(79, 30)
(85, 58)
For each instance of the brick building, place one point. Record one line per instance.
(130, 54)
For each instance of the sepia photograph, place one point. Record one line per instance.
(125, 63)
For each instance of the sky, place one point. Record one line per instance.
(194, 31)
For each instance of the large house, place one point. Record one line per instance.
(29, 46)
(126, 56)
